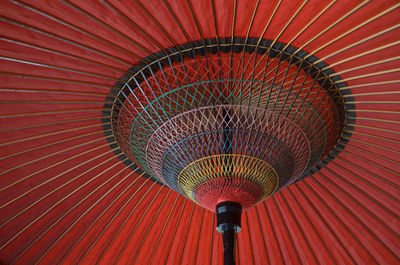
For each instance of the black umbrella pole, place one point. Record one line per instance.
(229, 238)
(228, 223)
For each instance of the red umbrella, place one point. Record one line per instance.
(87, 85)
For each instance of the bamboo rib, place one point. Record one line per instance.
(50, 144)
(68, 55)
(53, 191)
(280, 214)
(164, 226)
(69, 41)
(303, 235)
(116, 215)
(358, 220)
(323, 220)
(331, 211)
(369, 172)
(284, 195)
(152, 223)
(54, 91)
(372, 163)
(49, 155)
(57, 67)
(57, 79)
(80, 29)
(52, 178)
(124, 192)
(59, 202)
(141, 219)
(51, 134)
(79, 218)
(372, 154)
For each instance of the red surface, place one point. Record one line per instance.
(66, 198)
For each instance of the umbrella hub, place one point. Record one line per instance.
(235, 124)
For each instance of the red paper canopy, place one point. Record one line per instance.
(68, 195)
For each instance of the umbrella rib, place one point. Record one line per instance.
(112, 29)
(23, 102)
(389, 45)
(293, 246)
(65, 54)
(299, 227)
(337, 218)
(53, 123)
(373, 94)
(322, 221)
(52, 178)
(64, 140)
(58, 37)
(212, 236)
(374, 128)
(133, 24)
(370, 84)
(53, 91)
(370, 37)
(56, 67)
(124, 192)
(55, 204)
(263, 235)
(332, 171)
(138, 223)
(51, 134)
(164, 226)
(52, 154)
(152, 223)
(280, 33)
(273, 232)
(175, 229)
(373, 154)
(198, 236)
(375, 63)
(355, 217)
(289, 190)
(372, 163)
(51, 112)
(354, 29)
(375, 111)
(394, 70)
(81, 30)
(58, 202)
(65, 232)
(245, 41)
(374, 145)
(114, 218)
(390, 140)
(57, 79)
(365, 195)
(332, 25)
(375, 120)
(186, 235)
(249, 234)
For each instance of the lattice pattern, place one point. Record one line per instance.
(228, 177)
(275, 107)
(254, 132)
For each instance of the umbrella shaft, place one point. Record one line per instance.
(229, 237)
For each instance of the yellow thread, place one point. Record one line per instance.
(227, 166)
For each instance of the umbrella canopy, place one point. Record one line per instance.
(71, 193)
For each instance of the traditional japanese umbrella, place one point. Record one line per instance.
(133, 131)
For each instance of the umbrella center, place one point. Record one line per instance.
(229, 123)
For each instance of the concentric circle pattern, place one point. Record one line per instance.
(85, 106)
(271, 103)
(214, 179)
